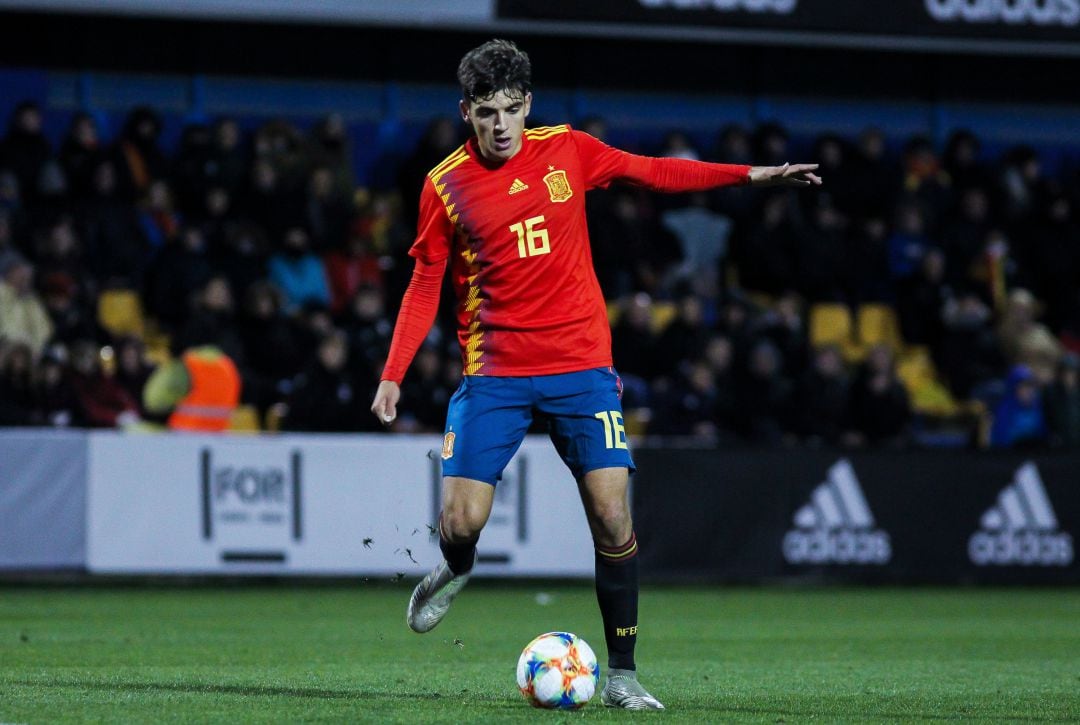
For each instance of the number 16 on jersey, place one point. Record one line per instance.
(532, 240)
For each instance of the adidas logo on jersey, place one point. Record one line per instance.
(836, 526)
(517, 186)
(1021, 528)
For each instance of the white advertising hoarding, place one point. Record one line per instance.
(42, 499)
(346, 505)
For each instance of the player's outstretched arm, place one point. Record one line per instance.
(386, 399)
(419, 307)
(786, 175)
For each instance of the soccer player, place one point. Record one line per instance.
(506, 212)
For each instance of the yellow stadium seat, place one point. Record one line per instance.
(614, 311)
(877, 324)
(662, 315)
(120, 312)
(830, 324)
(275, 414)
(158, 348)
(158, 343)
(928, 394)
(636, 421)
(731, 277)
(244, 419)
(763, 300)
(932, 398)
(914, 366)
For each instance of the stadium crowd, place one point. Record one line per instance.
(263, 245)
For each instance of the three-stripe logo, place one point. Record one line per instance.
(836, 526)
(1021, 528)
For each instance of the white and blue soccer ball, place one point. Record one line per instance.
(558, 671)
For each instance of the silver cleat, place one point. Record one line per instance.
(431, 599)
(622, 689)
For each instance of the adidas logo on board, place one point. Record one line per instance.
(517, 186)
(836, 526)
(1021, 528)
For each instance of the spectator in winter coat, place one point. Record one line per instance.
(298, 273)
(25, 150)
(23, 318)
(1062, 404)
(1024, 341)
(103, 402)
(823, 397)
(80, 154)
(878, 409)
(766, 396)
(324, 395)
(1018, 419)
(139, 159)
(16, 385)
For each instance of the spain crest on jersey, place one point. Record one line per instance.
(558, 187)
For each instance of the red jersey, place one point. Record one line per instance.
(515, 235)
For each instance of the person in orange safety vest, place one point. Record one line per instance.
(201, 388)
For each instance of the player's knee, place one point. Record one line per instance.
(461, 523)
(611, 523)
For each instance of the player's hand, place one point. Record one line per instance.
(385, 404)
(786, 175)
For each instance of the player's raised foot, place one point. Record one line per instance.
(431, 599)
(622, 689)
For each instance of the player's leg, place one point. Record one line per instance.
(466, 505)
(486, 422)
(587, 430)
(604, 492)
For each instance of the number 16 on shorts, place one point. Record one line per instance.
(614, 433)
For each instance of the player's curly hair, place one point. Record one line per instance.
(495, 66)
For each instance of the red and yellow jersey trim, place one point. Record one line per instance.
(472, 301)
(436, 175)
(454, 157)
(542, 132)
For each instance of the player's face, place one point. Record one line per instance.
(499, 122)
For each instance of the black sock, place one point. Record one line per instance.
(461, 556)
(617, 594)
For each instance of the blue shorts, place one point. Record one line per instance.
(489, 416)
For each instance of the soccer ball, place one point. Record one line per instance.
(558, 670)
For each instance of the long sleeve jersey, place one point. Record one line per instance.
(517, 244)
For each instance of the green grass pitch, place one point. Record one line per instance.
(343, 654)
